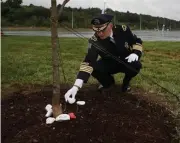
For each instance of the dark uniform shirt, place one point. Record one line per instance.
(124, 43)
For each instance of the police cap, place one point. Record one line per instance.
(100, 22)
(101, 19)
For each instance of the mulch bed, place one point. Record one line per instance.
(115, 118)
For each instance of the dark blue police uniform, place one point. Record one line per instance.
(122, 43)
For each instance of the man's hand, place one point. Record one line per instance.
(132, 57)
(70, 95)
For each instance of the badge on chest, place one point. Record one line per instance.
(127, 46)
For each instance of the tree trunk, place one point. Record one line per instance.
(57, 108)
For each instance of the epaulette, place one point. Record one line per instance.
(124, 27)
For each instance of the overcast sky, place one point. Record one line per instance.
(163, 8)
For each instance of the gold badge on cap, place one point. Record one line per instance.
(96, 21)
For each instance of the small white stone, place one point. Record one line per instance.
(80, 102)
(63, 117)
(50, 120)
(71, 100)
(49, 113)
(48, 106)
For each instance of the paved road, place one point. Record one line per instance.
(145, 35)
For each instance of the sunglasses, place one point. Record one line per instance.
(102, 28)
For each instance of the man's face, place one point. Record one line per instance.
(106, 32)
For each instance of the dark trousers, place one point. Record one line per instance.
(105, 68)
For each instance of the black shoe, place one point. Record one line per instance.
(100, 87)
(126, 84)
(126, 88)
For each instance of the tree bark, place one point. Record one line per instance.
(57, 109)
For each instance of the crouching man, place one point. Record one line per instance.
(120, 42)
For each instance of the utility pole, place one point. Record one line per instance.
(170, 25)
(115, 19)
(104, 9)
(157, 25)
(104, 6)
(72, 19)
(140, 22)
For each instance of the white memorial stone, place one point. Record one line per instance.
(49, 113)
(63, 117)
(80, 102)
(50, 120)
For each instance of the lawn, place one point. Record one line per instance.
(28, 60)
(127, 118)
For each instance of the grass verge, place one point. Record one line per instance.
(28, 60)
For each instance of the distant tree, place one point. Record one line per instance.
(14, 13)
(14, 3)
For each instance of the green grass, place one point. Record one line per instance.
(28, 60)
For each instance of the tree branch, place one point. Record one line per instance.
(62, 7)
